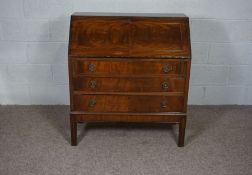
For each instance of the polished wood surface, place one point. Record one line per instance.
(114, 36)
(171, 16)
(128, 103)
(126, 84)
(129, 68)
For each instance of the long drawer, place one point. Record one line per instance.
(133, 67)
(128, 103)
(126, 84)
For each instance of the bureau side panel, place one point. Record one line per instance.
(187, 79)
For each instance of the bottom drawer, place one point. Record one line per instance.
(128, 103)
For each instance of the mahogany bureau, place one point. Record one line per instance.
(129, 68)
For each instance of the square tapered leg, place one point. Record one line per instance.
(182, 126)
(73, 124)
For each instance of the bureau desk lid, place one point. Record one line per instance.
(129, 35)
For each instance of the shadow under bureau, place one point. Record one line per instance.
(129, 68)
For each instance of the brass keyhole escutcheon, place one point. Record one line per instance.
(165, 85)
(163, 104)
(92, 67)
(167, 68)
(92, 84)
(92, 103)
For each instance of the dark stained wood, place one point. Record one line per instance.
(129, 68)
(188, 69)
(182, 126)
(73, 126)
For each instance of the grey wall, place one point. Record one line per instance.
(34, 35)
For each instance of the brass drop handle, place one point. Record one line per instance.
(92, 84)
(92, 67)
(165, 85)
(163, 104)
(167, 68)
(92, 103)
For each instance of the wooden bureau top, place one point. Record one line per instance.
(170, 15)
(152, 35)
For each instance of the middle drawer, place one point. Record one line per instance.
(126, 84)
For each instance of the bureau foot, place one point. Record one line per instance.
(73, 124)
(182, 126)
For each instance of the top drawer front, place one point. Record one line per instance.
(128, 67)
(129, 36)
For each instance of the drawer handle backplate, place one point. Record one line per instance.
(167, 68)
(165, 85)
(92, 67)
(92, 103)
(92, 84)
